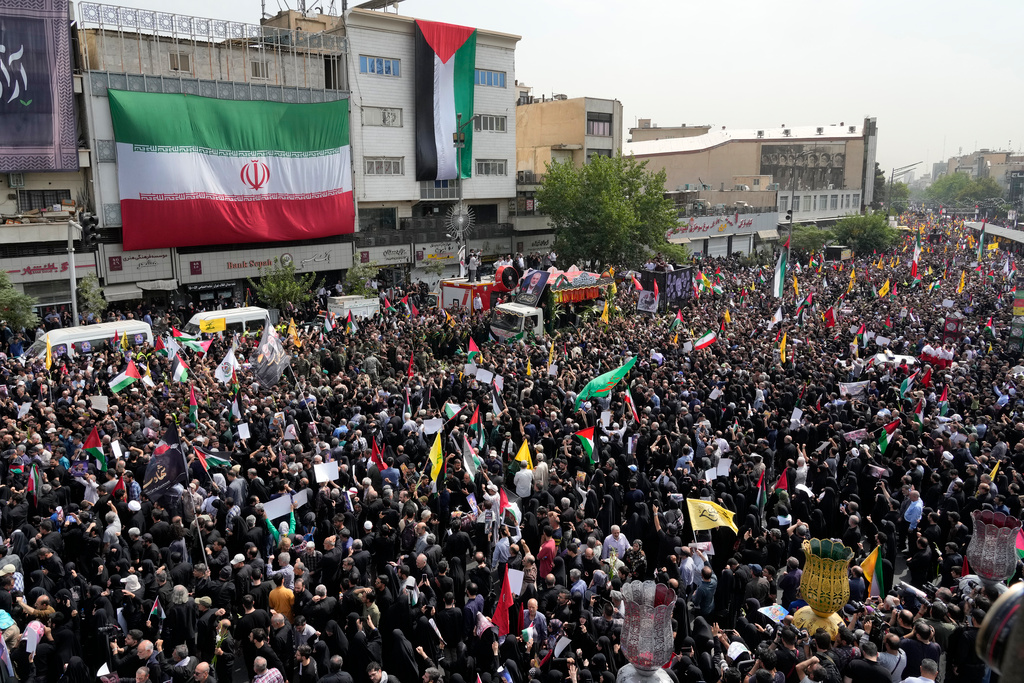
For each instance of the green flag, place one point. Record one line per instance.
(602, 384)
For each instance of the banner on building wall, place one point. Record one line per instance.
(37, 106)
(196, 170)
(445, 81)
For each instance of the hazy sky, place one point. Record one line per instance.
(938, 75)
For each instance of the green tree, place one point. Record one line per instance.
(897, 197)
(280, 285)
(879, 194)
(16, 309)
(357, 279)
(90, 296)
(865, 234)
(809, 238)
(959, 189)
(608, 211)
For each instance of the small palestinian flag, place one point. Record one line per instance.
(677, 321)
(94, 448)
(451, 410)
(706, 340)
(919, 414)
(477, 428)
(188, 342)
(586, 437)
(906, 384)
(989, 328)
(410, 307)
(328, 323)
(762, 492)
(193, 405)
(944, 402)
(35, 482)
(497, 402)
(179, 370)
(387, 305)
(887, 434)
(350, 324)
(888, 322)
(474, 352)
(126, 378)
(210, 459)
(159, 347)
(157, 611)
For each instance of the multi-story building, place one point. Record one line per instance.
(560, 129)
(366, 58)
(820, 172)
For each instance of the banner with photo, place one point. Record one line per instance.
(37, 108)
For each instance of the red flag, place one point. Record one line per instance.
(636, 283)
(375, 456)
(655, 290)
(830, 317)
(926, 378)
(505, 602)
(119, 486)
(945, 394)
(409, 371)
(783, 482)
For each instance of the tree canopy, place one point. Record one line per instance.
(279, 285)
(897, 197)
(865, 233)
(609, 211)
(16, 308)
(959, 189)
(808, 238)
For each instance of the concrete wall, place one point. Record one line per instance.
(541, 125)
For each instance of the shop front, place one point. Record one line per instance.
(435, 261)
(146, 275)
(722, 236)
(394, 261)
(223, 276)
(47, 278)
(529, 243)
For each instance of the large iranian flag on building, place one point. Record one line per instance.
(196, 170)
(445, 79)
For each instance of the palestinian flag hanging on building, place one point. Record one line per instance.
(445, 80)
(230, 171)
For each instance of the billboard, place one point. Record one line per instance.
(805, 166)
(37, 106)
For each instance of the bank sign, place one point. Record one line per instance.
(233, 265)
(135, 266)
(731, 224)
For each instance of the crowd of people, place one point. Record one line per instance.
(392, 569)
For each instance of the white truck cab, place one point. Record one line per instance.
(517, 321)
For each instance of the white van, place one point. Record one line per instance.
(237, 319)
(89, 338)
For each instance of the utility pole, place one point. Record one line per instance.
(72, 225)
(892, 177)
(460, 221)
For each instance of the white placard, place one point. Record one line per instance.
(882, 341)
(469, 369)
(499, 382)
(27, 406)
(433, 425)
(710, 475)
(243, 430)
(715, 393)
(327, 471)
(100, 403)
(115, 446)
(687, 347)
(560, 646)
(606, 418)
(724, 465)
(515, 581)
(553, 370)
(279, 507)
(736, 649)
(947, 303)
(484, 376)
(794, 420)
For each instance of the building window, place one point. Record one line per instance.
(439, 189)
(599, 123)
(846, 201)
(784, 203)
(383, 165)
(491, 167)
(822, 202)
(378, 219)
(599, 152)
(40, 199)
(856, 201)
(835, 202)
(334, 72)
(490, 122)
(390, 117)
(180, 61)
(796, 204)
(757, 182)
(380, 66)
(259, 68)
(494, 79)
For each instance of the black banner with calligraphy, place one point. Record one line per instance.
(269, 360)
(37, 107)
(166, 467)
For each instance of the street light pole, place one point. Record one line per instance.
(459, 138)
(72, 225)
(892, 177)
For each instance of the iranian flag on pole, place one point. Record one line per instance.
(94, 447)
(586, 437)
(445, 79)
(709, 338)
(230, 171)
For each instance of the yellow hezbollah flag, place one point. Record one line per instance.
(604, 314)
(884, 290)
(529, 368)
(853, 279)
(995, 470)
(436, 458)
(728, 318)
(782, 349)
(49, 353)
(216, 325)
(963, 282)
(523, 455)
(707, 515)
(796, 286)
(551, 353)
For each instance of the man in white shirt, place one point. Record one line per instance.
(615, 540)
(929, 672)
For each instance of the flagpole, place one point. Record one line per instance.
(195, 515)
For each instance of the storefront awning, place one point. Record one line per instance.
(125, 292)
(768, 234)
(158, 285)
